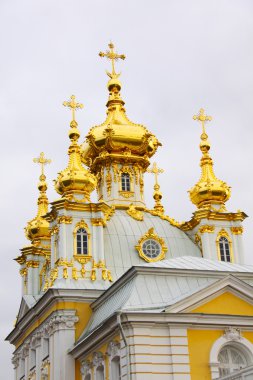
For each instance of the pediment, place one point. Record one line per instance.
(227, 296)
(26, 303)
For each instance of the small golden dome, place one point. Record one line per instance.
(75, 179)
(209, 191)
(38, 227)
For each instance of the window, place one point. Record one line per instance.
(45, 348)
(115, 368)
(231, 359)
(100, 373)
(224, 249)
(151, 248)
(82, 242)
(125, 182)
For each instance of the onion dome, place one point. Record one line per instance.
(117, 137)
(209, 192)
(75, 182)
(38, 228)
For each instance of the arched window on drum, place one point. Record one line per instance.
(125, 182)
(82, 240)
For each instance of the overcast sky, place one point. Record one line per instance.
(180, 56)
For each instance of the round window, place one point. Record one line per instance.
(151, 248)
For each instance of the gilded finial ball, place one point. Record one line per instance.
(42, 185)
(114, 83)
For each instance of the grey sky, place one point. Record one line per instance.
(181, 55)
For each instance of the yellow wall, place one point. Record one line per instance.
(226, 303)
(83, 311)
(200, 341)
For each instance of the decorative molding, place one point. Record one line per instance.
(113, 349)
(98, 359)
(206, 228)
(126, 194)
(61, 320)
(86, 367)
(236, 230)
(232, 333)
(54, 230)
(45, 370)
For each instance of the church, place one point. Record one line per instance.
(117, 289)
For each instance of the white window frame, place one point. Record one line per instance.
(113, 351)
(233, 338)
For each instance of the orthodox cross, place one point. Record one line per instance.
(73, 106)
(113, 56)
(42, 161)
(156, 171)
(202, 117)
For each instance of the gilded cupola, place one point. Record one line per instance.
(117, 139)
(38, 228)
(75, 182)
(209, 192)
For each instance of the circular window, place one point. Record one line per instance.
(151, 248)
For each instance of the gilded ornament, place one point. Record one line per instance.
(115, 172)
(209, 192)
(206, 228)
(153, 236)
(157, 194)
(32, 264)
(126, 194)
(64, 219)
(38, 228)
(134, 213)
(65, 273)
(108, 179)
(54, 230)
(75, 179)
(93, 275)
(236, 230)
(97, 222)
(23, 272)
(74, 273)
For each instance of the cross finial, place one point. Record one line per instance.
(42, 161)
(202, 117)
(73, 106)
(156, 171)
(113, 56)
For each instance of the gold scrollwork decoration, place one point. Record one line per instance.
(206, 228)
(126, 194)
(32, 264)
(151, 235)
(134, 213)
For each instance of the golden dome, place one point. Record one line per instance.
(75, 179)
(38, 227)
(117, 137)
(209, 191)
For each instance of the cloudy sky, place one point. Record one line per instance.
(181, 55)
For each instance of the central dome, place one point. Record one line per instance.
(118, 137)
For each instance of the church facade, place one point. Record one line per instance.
(117, 290)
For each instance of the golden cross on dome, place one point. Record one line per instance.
(156, 171)
(73, 106)
(42, 161)
(113, 56)
(202, 117)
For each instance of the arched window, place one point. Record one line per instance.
(115, 368)
(81, 242)
(125, 182)
(231, 359)
(100, 373)
(224, 249)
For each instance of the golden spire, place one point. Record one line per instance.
(38, 228)
(209, 192)
(75, 179)
(157, 194)
(113, 56)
